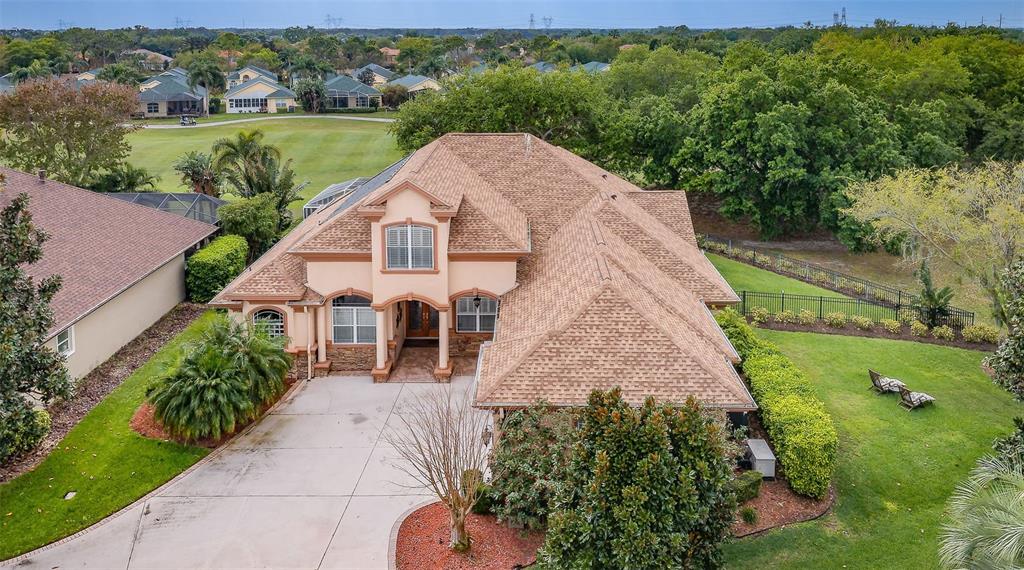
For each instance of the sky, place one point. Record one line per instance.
(621, 14)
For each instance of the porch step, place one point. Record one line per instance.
(421, 342)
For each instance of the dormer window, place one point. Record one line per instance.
(410, 247)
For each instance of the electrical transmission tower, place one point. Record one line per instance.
(331, 22)
(63, 25)
(839, 18)
(547, 22)
(180, 23)
(533, 23)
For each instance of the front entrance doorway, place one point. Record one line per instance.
(422, 320)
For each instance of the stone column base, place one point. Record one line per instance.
(381, 374)
(444, 374)
(321, 369)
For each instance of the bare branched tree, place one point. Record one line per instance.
(441, 441)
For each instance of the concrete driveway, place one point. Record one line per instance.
(310, 486)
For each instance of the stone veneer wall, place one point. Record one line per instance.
(299, 369)
(466, 344)
(352, 358)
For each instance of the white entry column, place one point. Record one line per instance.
(382, 339)
(444, 367)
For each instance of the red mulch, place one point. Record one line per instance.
(146, 425)
(91, 389)
(424, 535)
(778, 505)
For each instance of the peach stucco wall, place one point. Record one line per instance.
(432, 284)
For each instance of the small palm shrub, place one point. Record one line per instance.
(807, 317)
(892, 326)
(759, 315)
(863, 323)
(221, 382)
(749, 515)
(917, 328)
(786, 316)
(836, 319)
(943, 333)
(981, 333)
(986, 517)
(933, 304)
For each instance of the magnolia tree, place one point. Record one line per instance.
(1008, 361)
(971, 218)
(440, 442)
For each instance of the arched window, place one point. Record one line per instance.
(476, 314)
(352, 320)
(270, 321)
(410, 247)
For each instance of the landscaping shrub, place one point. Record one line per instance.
(1012, 445)
(807, 317)
(738, 331)
(862, 323)
(821, 277)
(858, 288)
(917, 328)
(21, 428)
(749, 515)
(759, 315)
(943, 332)
(747, 485)
(981, 333)
(803, 434)
(255, 219)
(529, 464)
(646, 487)
(214, 266)
(836, 319)
(892, 326)
(484, 505)
(786, 316)
(1008, 361)
(221, 381)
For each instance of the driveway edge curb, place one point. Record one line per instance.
(393, 541)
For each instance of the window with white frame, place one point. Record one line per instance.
(271, 321)
(152, 107)
(353, 320)
(410, 247)
(475, 314)
(66, 341)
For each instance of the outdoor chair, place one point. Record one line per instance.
(884, 385)
(911, 400)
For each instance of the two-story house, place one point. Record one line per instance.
(559, 276)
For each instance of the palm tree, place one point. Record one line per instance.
(987, 517)
(38, 68)
(125, 178)
(933, 305)
(197, 171)
(240, 160)
(206, 73)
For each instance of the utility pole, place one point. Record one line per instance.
(1000, 21)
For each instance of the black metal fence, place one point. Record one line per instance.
(820, 306)
(861, 289)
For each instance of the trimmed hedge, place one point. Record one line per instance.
(214, 266)
(802, 431)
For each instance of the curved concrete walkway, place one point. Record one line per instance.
(282, 118)
(312, 485)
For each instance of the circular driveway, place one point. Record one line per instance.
(312, 485)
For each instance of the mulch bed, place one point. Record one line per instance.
(777, 506)
(144, 423)
(424, 535)
(91, 389)
(877, 332)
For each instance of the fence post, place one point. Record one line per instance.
(743, 304)
(821, 303)
(783, 301)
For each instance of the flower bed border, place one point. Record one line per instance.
(874, 332)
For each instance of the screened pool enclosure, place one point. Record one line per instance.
(189, 204)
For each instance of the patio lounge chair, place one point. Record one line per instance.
(911, 400)
(883, 384)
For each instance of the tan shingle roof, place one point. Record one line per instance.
(611, 292)
(99, 245)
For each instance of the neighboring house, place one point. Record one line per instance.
(344, 92)
(122, 266)
(169, 94)
(260, 95)
(390, 55)
(381, 75)
(6, 84)
(416, 83)
(248, 73)
(189, 204)
(89, 75)
(330, 194)
(543, 66)
(558, 275)
(591, 67)
(151, 60)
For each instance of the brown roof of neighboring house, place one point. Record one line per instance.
(99, 245)
(612, 287)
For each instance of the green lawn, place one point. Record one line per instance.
(106, 463)
(324, 151)
(896, 469)
(236, 116)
